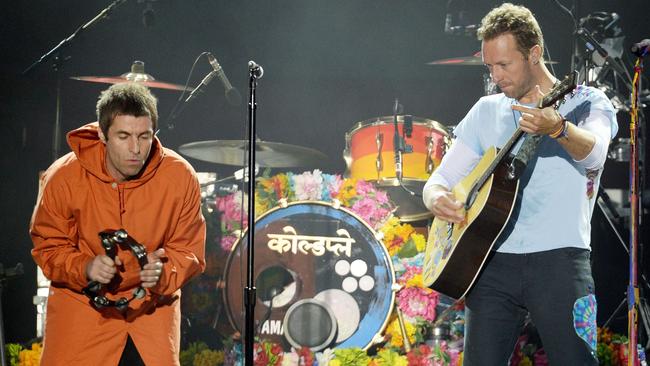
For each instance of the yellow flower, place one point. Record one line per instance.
(261, 206)
(267, 184)
(415, 281)
(30, 357)
(334, 363)
(347, 191)
(420, 241)
(389, 230)
(284, 182)
(525, 361)
(404, 231)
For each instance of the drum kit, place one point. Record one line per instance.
(341, 291)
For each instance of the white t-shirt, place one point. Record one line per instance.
(556, 193)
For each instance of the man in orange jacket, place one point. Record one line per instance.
(118, 176)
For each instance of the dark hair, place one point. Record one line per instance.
(131, 99)
(516, 20)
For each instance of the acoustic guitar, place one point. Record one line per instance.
(455, 253)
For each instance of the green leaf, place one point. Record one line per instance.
(408, 250)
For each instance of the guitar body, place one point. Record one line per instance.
(455, 253)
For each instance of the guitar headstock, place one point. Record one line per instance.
(558, 92)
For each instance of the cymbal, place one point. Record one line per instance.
(267, 154)
(137, 75)
(474, 60)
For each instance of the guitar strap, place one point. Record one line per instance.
(527, 150)
(520, 161)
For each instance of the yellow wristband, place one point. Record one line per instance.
(562, 131)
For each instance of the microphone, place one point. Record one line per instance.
(641, 48)
(206, 80)
(232, 95)
(591, 43)
(255, 70)
(398, 143)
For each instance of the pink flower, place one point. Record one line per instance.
(540, 358)
(230, 207)
(370, 211)
(410, 272)
(227, 242)
(365, 188)
(418, 302)
(382, 197)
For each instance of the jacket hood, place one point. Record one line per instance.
(91, 153)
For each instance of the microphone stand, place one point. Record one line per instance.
(633, 298)
(399, 145)
(58, 68)
(255, 73)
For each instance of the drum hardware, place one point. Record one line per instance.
(379, 163)
(619, 150)
(136, 75)
(429, 165)
(267, 154)
(440, 333)
(402, 329)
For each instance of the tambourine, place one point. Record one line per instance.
(110, 240)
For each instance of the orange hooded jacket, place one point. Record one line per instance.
(159, 209)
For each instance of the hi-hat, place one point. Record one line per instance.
(474, 60)
(137, 75)
(267, 154)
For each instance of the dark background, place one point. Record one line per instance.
(328, 64)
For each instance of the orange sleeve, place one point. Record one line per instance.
(185, 251)
(54, 234)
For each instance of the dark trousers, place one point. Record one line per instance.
(130, 355)
(555, 287)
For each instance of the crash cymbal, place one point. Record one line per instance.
(474, 60)
(267, 154)
(137, 74)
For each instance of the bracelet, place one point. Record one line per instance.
(562, 131)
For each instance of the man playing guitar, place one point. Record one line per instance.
(539, 261)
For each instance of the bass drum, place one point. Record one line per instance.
(323, 279)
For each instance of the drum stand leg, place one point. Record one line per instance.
(402, 328)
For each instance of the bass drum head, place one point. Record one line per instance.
(314, 253)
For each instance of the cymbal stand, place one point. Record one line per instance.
(255, 73)
(58, 67)
(4, 276)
